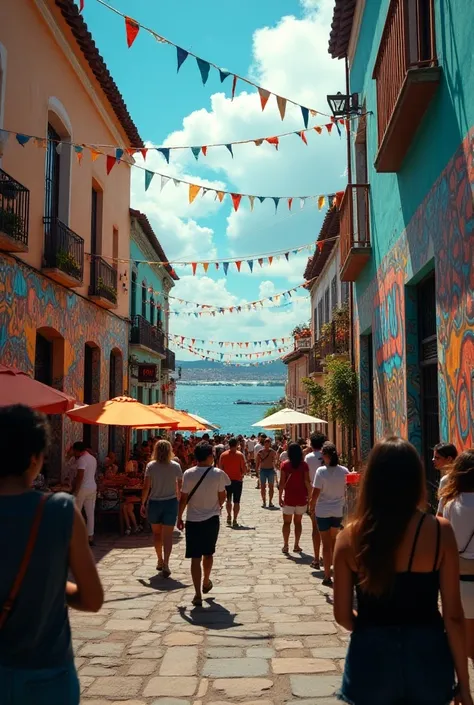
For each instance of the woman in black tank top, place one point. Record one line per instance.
(398, 560)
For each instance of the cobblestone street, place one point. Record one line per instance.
(265, 633)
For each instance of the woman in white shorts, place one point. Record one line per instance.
(457, 496)
(295, 490)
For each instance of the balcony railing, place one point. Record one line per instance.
(354, 239)
(151, 337)
(103, 282)
(315, 364)
(169, 363)
(14, 214)
(334, 340)
(63, 252)
(407, 74)
(302, 343)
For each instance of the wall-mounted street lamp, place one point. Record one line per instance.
(344, 105)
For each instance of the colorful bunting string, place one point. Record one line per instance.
(226, 343)
(241, 356)
(211, 358)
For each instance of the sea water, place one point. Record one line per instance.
(216, 404)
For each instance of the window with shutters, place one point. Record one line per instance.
(334, 300)
(320, 316)
(326, 306)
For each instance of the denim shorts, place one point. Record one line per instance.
(267, 476)
(39, 686)
(398, 666)
(163, 511)
(326, 523)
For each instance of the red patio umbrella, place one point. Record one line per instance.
(17, 387)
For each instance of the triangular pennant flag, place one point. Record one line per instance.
(303, 136)
(4, 136)
(40, 142)
(79, 152)
(81, 6)
(95, 154)
(321, 202)
(273, 140)
(338, 196)
(223, 75)
(195, 151)
(238, 264)
(176, 182)
(217, 265)
(250, 264)
(258, 142)
(229, 147)
(131, 28)
(305, 114)
(182, 55)
(118, 154)
(22, 139)
(318, 129)
(59, 148)
(260, 261)
(281, 102)
(264, 96)
(204, 67)
(144, 152)
(270, 259)
(148, 178)
(302, 202)
(204, 150)
(194, 265)
(110, 163)
(193, 192)
(319, 246)
(329, 127)
(287, 256)
(206, 266)
(226, 267)
(164, 181)
(234, 84)
(165, 152)
(261, 198)
(220, 195)
(290, 202)
(252, 200)
(276, 201)
(236, 198)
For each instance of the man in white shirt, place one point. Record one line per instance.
(85, 487)
(250, 446)
(203, 496)
(315, 460)
(258, 447)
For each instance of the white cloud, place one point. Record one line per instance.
(266, 288)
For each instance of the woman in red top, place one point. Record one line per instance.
(295, 490)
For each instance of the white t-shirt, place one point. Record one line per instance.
(442, 483)
(460, 512)
(204, 503)
(258, 448)
(283, 456)
(88, 463)
(332, 483)
(315, 461)
(251, 443)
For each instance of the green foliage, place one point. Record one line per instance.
(11, 223)
(66, 262)
(273, 409)
(301, 330)
(340, 389)
(318, 404)
(103, 287)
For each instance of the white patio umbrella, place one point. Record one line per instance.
(287, 417)
(210, 426)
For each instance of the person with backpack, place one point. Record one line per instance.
(43, 537)
(295, 490)
(202, 496)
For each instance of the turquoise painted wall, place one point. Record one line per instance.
(147, 273)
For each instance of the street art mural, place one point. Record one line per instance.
(30, 302)
(443, 227)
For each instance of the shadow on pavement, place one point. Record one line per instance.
(157, 582)
(215, 616)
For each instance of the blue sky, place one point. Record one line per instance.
(282, 45)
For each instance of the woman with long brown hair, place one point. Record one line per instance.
(163, 482)
(457, 499)
(399, 559)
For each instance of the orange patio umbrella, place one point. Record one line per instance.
(121, 411)
(16, 387)
(184, 421)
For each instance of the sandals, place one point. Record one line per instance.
(207, 588)
(159, 565)
(166, 572)
(285, 550)
(197, 602)
(315, 565)
(297, 549)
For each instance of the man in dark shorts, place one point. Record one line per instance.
(266, 461)
(232, 462)
(203, 495)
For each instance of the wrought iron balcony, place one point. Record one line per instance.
(169, 363)
(151, 337)
(333, 340)
(354, 232)
(103, 286)
(303, 343)
(63, 257)
(14, 214)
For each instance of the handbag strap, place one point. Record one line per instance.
(466, 546)
(196, 486)
(25, 561)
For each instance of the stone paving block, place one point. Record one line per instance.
(147, 640)
(305, 628)
(90, 634)
(131, 614)
(280, 644)
(97, 671)
(102, 649)
(145, 652)
(242, 687)
(302, 665)
(314, 686)
(179, 661)
(170, 686)
(182, 639)
(128, 625)
(203, 686)
(85, 682)
(123, 686)
(329, 652)
(224, 652)
(235, 668)
(315, 701)
(142, 667)
(242, 640)
(260, 652)
(171, 701)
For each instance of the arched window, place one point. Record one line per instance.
(152, 311)
(144, 293)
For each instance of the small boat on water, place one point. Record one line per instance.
(255, 403)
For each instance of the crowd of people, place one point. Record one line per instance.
(388, 567)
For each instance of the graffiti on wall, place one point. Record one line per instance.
(443, 228)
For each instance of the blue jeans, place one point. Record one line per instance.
(39, 686)
(398, 666)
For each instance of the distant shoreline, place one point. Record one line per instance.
(241, 383)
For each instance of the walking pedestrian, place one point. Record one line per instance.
(315, 461)
(203, 496)
(266, 461)
(457, 497)
(85, 486)
(232, 462)
(42, 538)
(399, 559)
(162, 486)
(295, 490)
(444, 455)
(327, 503)
(258, 447)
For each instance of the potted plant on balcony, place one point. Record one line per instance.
(109, 291)
(11, 223)
(65, 262)
(301, 331)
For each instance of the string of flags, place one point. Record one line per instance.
(232, 344)
(133, 27)
(197, 314)
(211, 358)
(194, 189)
(242, 356)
